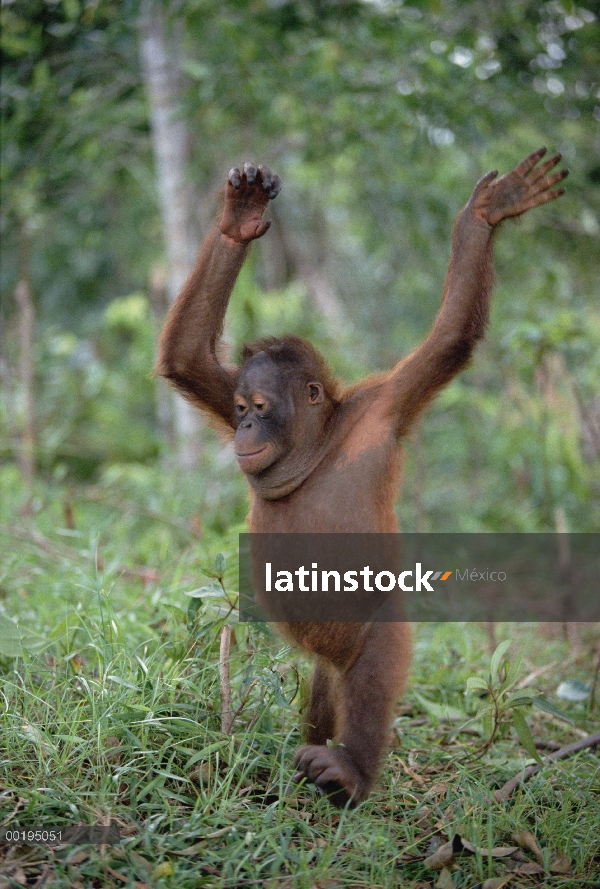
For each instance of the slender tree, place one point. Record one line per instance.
(171, 142)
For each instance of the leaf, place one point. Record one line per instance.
(524, 733)
(520, 698)
(194, 607)
(67, 627)
(560, 864)
(529, 868)
(205, 753)
(118, 680)
(526, 840)
(32, 733)
(202, 592)
(137, 859)
(497, 882)
(440, 711)
(496, 852)
(573, 690)
(441, 857)
(497, 658)
(271, 680)
(175, 610)
(548, 707)
(445, 880)
(487, 723)
(220, 564)
(512, 675)
(10, 638)
(476, 682)
(27, 639)
(191, 851)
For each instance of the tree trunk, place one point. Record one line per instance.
(171, 152)
(165, 399)
(26, 374)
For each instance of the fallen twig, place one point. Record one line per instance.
(506, 791)
(535, 674)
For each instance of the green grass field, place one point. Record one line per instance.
(111, 696)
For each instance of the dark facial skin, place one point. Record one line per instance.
(271, 414)
(264, 416)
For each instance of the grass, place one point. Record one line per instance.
(111, 709)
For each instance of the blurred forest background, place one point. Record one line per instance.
(120, 120)
(129, 691)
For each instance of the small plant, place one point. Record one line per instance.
(212, 596)
(504, 702)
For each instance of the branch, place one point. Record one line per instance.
(226, 716)
(506, 791)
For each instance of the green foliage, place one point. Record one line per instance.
(96, 393)
(255, 313)
(111, 708)
(506, 704)
(379, 117)
(75, 155)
